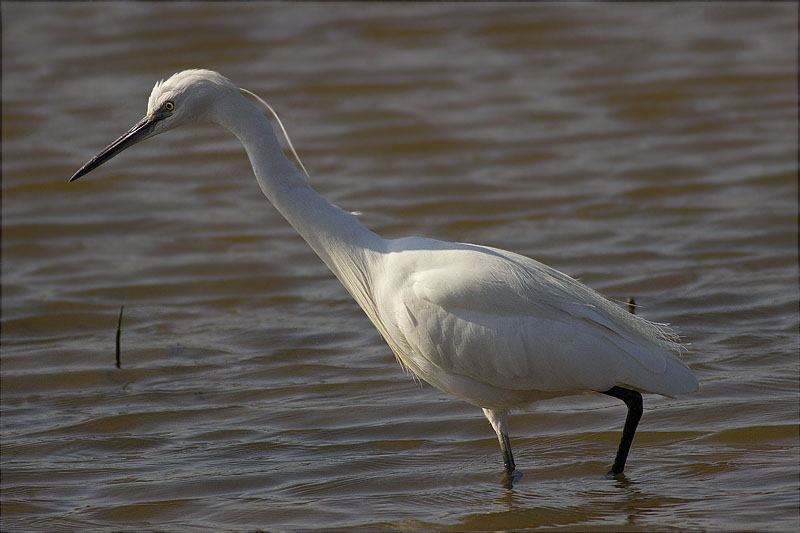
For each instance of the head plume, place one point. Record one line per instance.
(188, 82)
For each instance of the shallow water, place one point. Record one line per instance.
(648, 149)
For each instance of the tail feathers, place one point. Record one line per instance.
(675, 379)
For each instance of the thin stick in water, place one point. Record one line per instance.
(119, 331)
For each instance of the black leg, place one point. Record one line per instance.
(508, 458)
(634, 402)
(512, 474)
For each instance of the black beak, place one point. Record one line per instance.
(139, 132)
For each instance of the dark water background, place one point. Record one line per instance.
(649, 149)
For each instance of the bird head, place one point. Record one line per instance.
(187, 96)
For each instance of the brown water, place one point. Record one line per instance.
(649, 149)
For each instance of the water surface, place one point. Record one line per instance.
(649, 149)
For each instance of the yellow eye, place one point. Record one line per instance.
(168, 105)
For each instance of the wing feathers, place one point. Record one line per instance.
(512, 322)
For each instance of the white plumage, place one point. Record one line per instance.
(494, 328)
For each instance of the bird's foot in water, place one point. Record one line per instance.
(511, 477)
(619, 476)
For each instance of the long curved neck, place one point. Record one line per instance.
(345, 245)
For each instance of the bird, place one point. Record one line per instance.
(494, 328)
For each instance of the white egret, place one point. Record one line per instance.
(494, 328)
